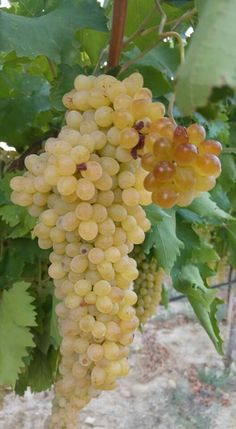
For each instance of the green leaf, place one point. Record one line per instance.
(205, 253)
(155, 213)
(10, 215)
(22, 98)
(165, 297)
(63, 83)
(231, 235)
(51, 34)
(93, 42)
(164, 58)
(15, 260)
(205, 207)
(209, 60)
(189, 282)
(228, 175)
(167, 244)
(5, 190)
(16, 316)
(39, 372)
(30, 8)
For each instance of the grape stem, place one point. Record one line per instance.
(52, 68)
(142, 31)
(171, 109)
(229, 150)
(152, 46)
(117, 32)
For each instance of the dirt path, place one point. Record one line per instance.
(176, 382)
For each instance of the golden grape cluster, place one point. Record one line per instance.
(86, 189)
(148, 285)
(181, 163)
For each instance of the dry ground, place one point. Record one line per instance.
(177, 381)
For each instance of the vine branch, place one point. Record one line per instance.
(117, 32)
(153, 45)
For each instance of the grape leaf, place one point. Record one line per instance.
(15, 260)
(50, 34)
(205, 253)
(5, 190)
(228, 175)
(203, 301)
(167, 245)
(194, 78)
(39, 373)
(205, 207)
(155, 213)
(22, 98)
(17, 315)
(93, 42)
(231, 235)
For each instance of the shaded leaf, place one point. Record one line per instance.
(204, 68)
(50, 34)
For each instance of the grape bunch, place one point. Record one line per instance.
(148, 285)
(181, 163)
(86, 189)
